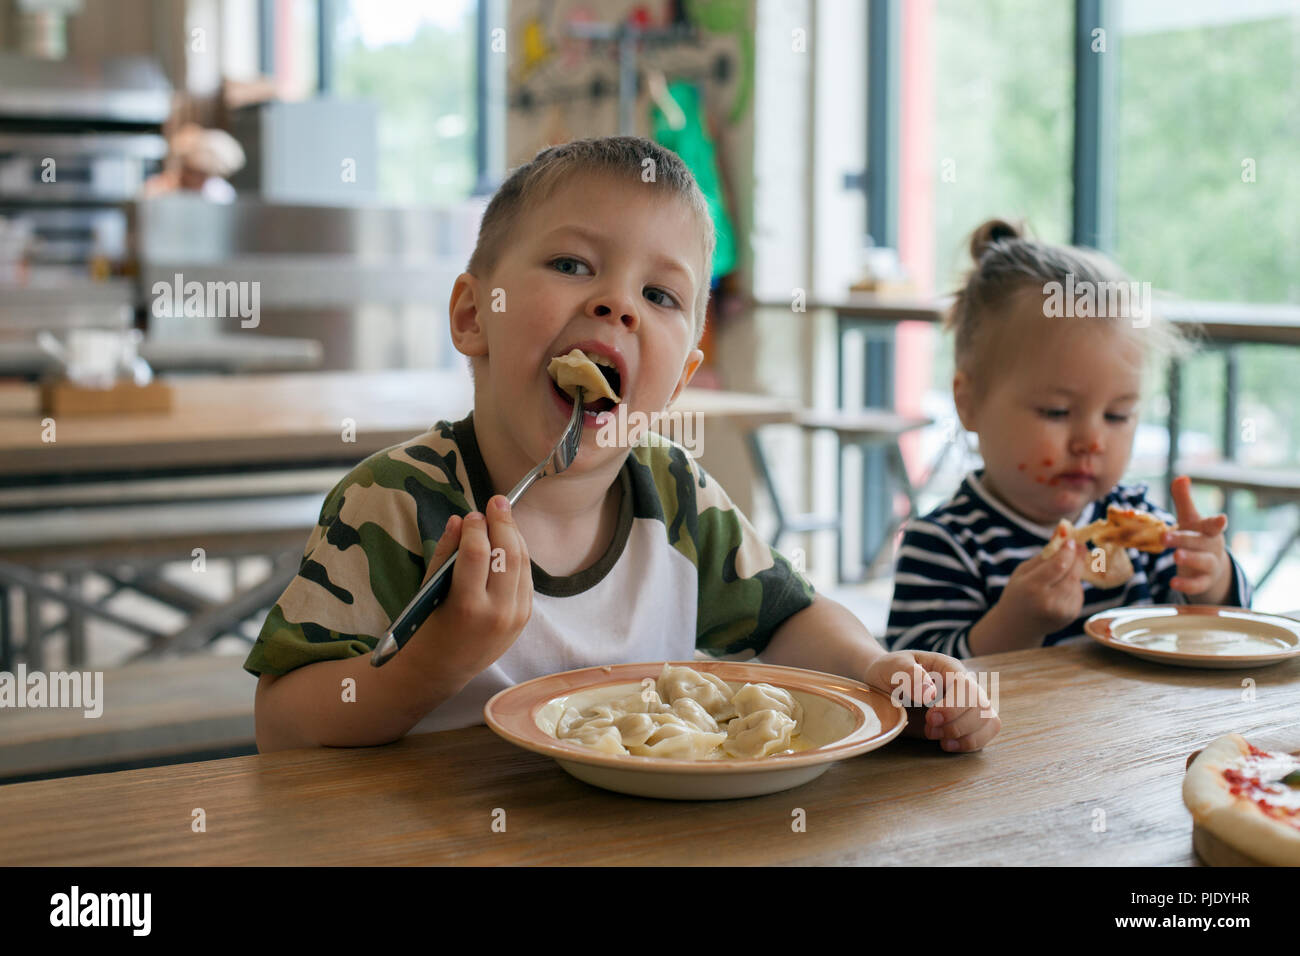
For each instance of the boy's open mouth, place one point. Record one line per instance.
(597, 375)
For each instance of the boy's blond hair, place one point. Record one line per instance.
(1010, 273)
(639, 161)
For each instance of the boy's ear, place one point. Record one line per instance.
(963, 397)
(467, 297)
(693, 360)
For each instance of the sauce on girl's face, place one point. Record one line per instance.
(1056, 430)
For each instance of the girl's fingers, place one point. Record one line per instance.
(1192, 584)
(1184, 508)
(1195, 540)
(1051, 569)
(1192, 562)
(1064, 564)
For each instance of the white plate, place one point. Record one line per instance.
(1196, 635)
(842, 718)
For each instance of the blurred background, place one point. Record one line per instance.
(229, 230)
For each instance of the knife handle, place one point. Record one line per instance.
(426, 601)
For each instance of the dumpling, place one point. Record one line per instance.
(679, 718)
(690, 711)
(642, 702)
(578, 370)
(635, 728)
(711, 693)
(759, 734)
(567, 722)
(754, 697)
(679, 742)
(598, 735)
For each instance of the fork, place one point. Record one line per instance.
(435, 590)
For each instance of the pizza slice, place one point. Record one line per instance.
(1115, 567)
(1127, 528)
(1248, 798)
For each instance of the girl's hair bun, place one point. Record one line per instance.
(989, 232)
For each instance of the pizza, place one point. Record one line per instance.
(1248, 798)
(1114, 570)
(1122, 528)
(1127, 528)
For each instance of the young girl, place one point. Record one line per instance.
(1052, 389)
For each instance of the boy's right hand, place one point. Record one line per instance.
(486, 609)
(1045, 594)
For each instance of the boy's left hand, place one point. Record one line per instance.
(1204, 568)
(960, 716)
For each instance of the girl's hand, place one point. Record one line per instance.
(960, 715)
(1043, 595)
(1204, 568)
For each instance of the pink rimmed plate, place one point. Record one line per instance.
(842, 718)
(1197, 635)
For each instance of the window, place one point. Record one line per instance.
(1208, 139)
(415, 60)
(1208, 142)
(986, 129)
(988, 91)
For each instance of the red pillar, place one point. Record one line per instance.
(917, 167)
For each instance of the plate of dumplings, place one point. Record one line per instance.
(695, 730)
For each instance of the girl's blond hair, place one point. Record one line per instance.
(1012, 272)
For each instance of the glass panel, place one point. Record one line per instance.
(1208, 140)
(987, 122)
(416, 60)
(987, 130)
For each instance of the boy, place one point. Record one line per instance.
(629, 555)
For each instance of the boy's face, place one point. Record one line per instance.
(1056, 429)
(604, 265)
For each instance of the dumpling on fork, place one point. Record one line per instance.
(580, 370)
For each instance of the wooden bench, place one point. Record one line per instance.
(154, 712)
(1271, 487)
(124, 530)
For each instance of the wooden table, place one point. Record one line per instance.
(226, 354)
(291, 419)
(1089, 735)
(240, 464)
(1220, 322)
(152, 710)
(216, 421)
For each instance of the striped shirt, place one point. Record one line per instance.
(954, 564)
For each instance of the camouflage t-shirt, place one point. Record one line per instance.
(685, 571)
